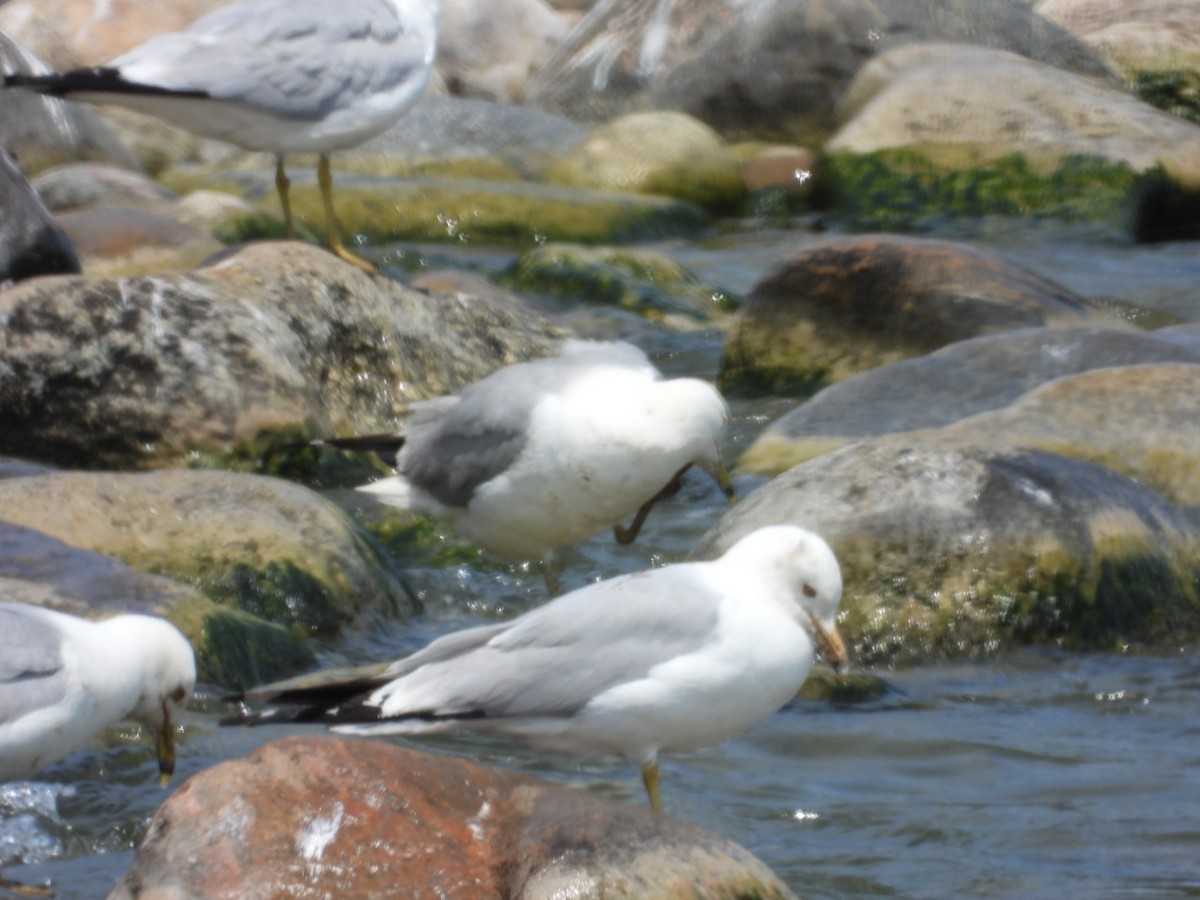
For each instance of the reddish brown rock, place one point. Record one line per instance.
(336, 817)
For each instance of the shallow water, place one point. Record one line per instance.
(1039, 774)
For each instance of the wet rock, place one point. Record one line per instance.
(942, 102)
(641, 281)
(854, 303)
(31, 242)
(385, 210)
(337, 817)
(961, 549)
(122, 231)
(960, 380)
(233, 648)
(279, 338)
(663, 153)
(709, 59)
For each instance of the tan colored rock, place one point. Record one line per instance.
(334, 817)
(665, 153)
(944, 102)
(1133, 35)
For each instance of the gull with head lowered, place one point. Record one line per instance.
(63, 679)
(278, 76)
(543, 454)
(663, 660)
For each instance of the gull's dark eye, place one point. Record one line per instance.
(809, 590)
(178, 694)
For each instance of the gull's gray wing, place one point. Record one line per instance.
(31, 663)
(297, 59)
(450, 451)
(554, 660)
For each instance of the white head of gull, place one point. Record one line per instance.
(278, 76)
(664, 660)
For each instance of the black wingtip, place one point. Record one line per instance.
(90, 81)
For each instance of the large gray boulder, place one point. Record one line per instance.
(31, 242)
(117, 373)
(773, 69)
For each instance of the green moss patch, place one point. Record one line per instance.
(1176, 91)
(905, 190)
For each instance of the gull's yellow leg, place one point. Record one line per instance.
(283, 184)
(650, 780)
(325, 182)
(550, 576)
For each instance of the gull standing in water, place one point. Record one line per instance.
(63, 679)
(278, 76)
(543, 454)
(667, 659)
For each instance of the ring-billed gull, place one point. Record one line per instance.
(543, 454)
(279, 76)
(663, 660)
(63, 679)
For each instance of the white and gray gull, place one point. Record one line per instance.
(668, 659)
(542, 454)
(64, 679)
(278, 76)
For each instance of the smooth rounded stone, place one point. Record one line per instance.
(74, 185)
(490, 49)
(278, 338)
(232, 647)
(854, 303)
(43, 131)
(942, 101)
(779, 166)
(960, 549)
(1133, 36)
(337, 817)
(122, 232)
(769, 70)
(31, 242)
(665, 153)
(960, 380)
(441, 128)
(294, 557)
(207, 209)
(638, 280)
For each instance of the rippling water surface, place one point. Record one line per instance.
(1040, 774)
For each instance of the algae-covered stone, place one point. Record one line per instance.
(641, 281)
(974, 376)
(233, 648)
(655, 153)
(943, 102)
(385, 210)
(854, 303)
(265, 546)
(963, 550)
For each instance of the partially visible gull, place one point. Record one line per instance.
(543, 454)
(667, 659)
(279, 76)
(63, 679)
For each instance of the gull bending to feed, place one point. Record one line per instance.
(667, 659)
(543, 454)
(278, 76)
(63, 679)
